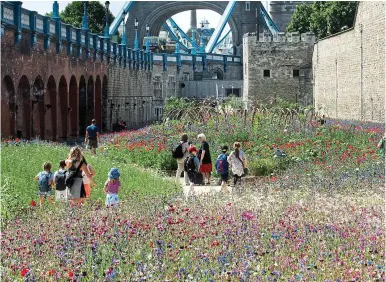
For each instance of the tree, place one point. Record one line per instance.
(323, 18)
(96, 13)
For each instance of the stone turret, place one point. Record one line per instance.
(278, 66)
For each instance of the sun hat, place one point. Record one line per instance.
(192, 149)
(114, 173)
(224, 149)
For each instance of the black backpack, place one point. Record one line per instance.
(177, 152)
(60, 180)
(189, 163)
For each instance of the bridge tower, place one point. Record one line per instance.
(282, 11)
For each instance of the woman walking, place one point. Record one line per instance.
(238, 162)
(205, 159)
(76, 164)
(180, 161)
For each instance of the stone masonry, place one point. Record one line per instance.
(349, 68)
(278, 68)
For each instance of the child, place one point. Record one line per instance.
(60, 182)
(191, 166)
(45, 181)
(86, 180)
(222, 168)
(112, 187)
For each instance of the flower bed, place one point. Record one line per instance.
(336, 148)
(275, 234)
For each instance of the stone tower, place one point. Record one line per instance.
(282, 11)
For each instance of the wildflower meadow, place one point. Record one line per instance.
(312, 210)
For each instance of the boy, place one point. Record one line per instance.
(60, 182)
(45, 181)
(191, 166)
(222, 168)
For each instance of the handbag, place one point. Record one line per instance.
(71, 175)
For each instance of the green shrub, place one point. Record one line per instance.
(262, 167)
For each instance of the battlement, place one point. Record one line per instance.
(294, 37)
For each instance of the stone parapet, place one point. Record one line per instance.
(294, 37)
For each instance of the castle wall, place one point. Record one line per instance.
(281, 68)
(349, 68)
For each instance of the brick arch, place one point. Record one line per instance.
(82, 108)
(90, 99)
(73, 103)
(8, 127)
(37, 107)
(62, 109)
(23, 109)
(104, 103)
(98, 101)
(50, 109)
(218, 72)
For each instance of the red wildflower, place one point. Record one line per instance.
(32, 204)
(51, 272)
(24, 272)
(70, 274)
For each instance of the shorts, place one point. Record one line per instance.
(92, 144)
(61, 195)
(45, 193)
(112, 200)
(225, 177)
(206, 168)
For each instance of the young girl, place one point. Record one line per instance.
(45, 181)
(86, 180)
(238, 162)
(112, 187)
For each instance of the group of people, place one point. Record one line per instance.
(74, 178)
(197, 164)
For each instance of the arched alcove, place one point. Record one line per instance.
(8, 108)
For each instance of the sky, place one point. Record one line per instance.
(182, 19)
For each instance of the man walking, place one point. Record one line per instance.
(92, 136)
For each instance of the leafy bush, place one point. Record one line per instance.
(263, 167)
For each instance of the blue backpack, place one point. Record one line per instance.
(222, 165)
(43, 181)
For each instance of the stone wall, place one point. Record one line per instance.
(349, 68)
(137, 97)
(278, 68)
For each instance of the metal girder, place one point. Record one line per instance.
(174, 36)
(223, 38)
(268, 21)
(183, 34)
(118, 19)
(220, 27)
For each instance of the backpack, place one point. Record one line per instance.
(177, 152)
(43, 181)
(189, 163)
(222, 165)
(60, 180)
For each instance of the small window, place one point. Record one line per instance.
(295, 73)
(247, 6)
(267, 73)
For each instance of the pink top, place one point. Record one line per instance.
(112, 188)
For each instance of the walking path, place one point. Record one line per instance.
(201, 189)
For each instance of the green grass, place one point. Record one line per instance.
(20, 164)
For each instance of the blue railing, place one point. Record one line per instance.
(85, 44)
